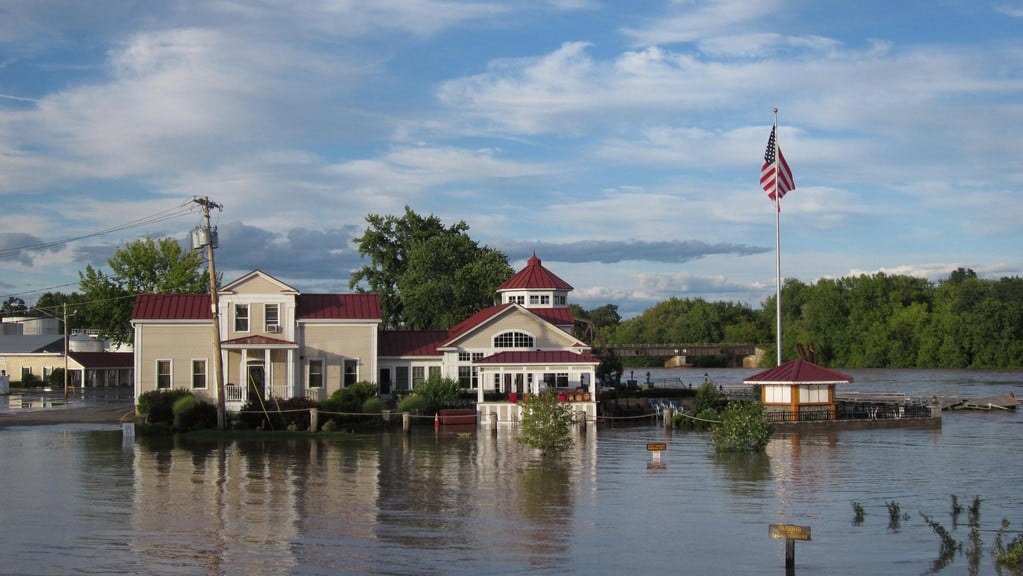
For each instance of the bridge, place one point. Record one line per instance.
(677, 353)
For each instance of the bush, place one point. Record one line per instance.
(350, 398)
(546, 424)
(412, 403)
(373, 406)
(158, 405)
(56, 378)
(437, 391)
(193, 414)
(744, 427)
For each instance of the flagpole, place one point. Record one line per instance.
(777, 242)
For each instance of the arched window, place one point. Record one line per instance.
(513, 340)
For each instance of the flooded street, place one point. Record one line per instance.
(77, 499)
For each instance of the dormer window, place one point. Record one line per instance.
(513, 340)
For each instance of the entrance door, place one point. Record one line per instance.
(385, 381)
(257, 383)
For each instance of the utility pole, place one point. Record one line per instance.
(65, 356)
(218, 367)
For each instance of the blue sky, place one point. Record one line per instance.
(621, 141)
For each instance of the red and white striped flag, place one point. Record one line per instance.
(775, 176)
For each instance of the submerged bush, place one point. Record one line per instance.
(546, 424)
(744, 427)
(193, 414)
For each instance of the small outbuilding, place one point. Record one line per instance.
(801, 390)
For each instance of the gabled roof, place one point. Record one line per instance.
(172, 307)
(103, 359)
(339, 307)
(257, 340)
(284, 288)
(538, 357)
(556, 316)
(410, 343)
(799, 372)
(534, 277)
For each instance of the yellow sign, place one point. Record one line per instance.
(789, 531)
(656, 446)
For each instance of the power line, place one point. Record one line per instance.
(184, 209)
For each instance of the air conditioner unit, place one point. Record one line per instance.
(273, 329)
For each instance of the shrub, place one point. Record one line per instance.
(412, 403)
(373, 406)
(56, 378)
(437, 391)
(158, 405)
(546, 424)
(350, 398)
(744, 427)
(193, 414)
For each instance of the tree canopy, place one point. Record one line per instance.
(140, 267)
(427, 276)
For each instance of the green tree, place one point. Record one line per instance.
(140, 267)
(420, 269)
(449, 278)
(546, 424)
(52, 304)
(13, 306)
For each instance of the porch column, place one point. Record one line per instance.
(290, 373)
(481, 381)
(268, 370)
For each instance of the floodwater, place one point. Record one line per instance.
(79, 499)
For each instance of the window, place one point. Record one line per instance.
(534, 299)
(434, 371)
(556, 380)
(813, 394)
(241, 317)
(468, 375)
(272, 314)
(559, 300)
(315, 374)
(351, 372)
(418, 375)
(777, 394)
(513, 340)
(198, 374)
(163, 374)
(545, 299)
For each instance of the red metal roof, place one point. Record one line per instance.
(172, 307)
(475, 320)
(799, 372)
(104, 359)
(410, 343)
(535, 277)
(538, 357)
(339, 307)
(556, 316)
(310, 307)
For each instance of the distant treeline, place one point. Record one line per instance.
(876, 321)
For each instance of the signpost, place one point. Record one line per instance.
(791, 533)
(656, 448)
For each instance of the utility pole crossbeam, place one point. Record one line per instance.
(218, 363)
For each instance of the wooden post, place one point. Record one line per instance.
(580, 420)
(493, 423)
(406, 423)
(314, 420)
(666, 414)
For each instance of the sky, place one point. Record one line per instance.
(621, 141)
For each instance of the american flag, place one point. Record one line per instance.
(775, 177)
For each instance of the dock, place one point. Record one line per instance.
(1005, 401)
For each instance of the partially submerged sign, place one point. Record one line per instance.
(789, 531)
(656, 447)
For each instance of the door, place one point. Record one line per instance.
(257, 383)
